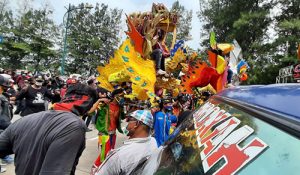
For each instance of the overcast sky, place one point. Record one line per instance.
(128, 7)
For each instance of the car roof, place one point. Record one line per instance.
(282, 98)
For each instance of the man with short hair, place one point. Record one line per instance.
(5, 114)
(162, 122)
(50, 142)
(87, 118)
(138, 148)
(34, 96)
(113, 113)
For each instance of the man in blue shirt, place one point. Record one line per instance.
(162, 122)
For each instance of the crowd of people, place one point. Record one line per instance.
(56, 113)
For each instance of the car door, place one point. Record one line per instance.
(227, 138)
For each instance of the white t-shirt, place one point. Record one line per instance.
(124, 159)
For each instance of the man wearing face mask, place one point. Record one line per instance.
(34, 96)
(114, 115)
(10, 93)
(135, 150)
(162, 122)
(50, 142)
(5, 115)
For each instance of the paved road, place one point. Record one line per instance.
(88, 156)
(91, 152)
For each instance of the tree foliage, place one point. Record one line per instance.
(13, 49)
(288, 32)
(184, 25)
(33, 40)
(42, 32)
(29, 38)
(93, 36)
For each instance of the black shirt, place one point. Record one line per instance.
(5, 114)
(48, 142)
(34, 99)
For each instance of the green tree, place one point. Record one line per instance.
(14, 48)
(245, 21)
(3, 6)
(288, 31)
(184, 25)
(93, 36)
(29, 38)
(41, 39)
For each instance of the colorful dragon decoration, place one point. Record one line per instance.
(125, 66)
(132, 61)
(202, 75)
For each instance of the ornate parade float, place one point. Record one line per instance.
(150, 68)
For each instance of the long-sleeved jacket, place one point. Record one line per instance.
(5, 115)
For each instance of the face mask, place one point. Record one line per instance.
(125, 130)
(38, 84)
(120, 101)
(169, 108)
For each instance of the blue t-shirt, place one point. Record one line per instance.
(162, 125)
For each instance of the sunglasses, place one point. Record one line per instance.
(131, 119)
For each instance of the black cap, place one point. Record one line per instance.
(79, 99)
(167, 100)
(102, 90)
(4, 81)
(116, 92)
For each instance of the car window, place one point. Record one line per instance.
(220, 139)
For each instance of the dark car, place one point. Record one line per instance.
(243, 130)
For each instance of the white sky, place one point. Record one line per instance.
(128, 7)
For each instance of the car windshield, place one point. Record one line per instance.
(227, 141)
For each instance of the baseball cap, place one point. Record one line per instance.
(71, 81)
(10, 80)
(4, 81)
(144, 116)
(167, 100)
(39, 80)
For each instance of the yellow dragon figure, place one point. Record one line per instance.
(131, 64)
(142, 30)
(127, 65)
(142, 27)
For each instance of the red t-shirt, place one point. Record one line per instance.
(114, 113)
(63, 92)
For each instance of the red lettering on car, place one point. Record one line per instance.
(212, 140)
(234, 156)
